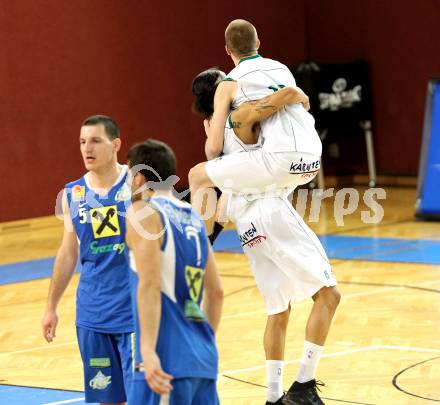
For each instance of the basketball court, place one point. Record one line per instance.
(383, 347)
(369, 69)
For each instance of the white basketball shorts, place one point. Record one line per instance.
(258, 171)
(287, 259)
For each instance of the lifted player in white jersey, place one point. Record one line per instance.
(248, 138)
(290, 143)
(286, 257)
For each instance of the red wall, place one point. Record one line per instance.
(399, 38)
(62, 61)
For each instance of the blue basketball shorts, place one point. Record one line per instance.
(107, 365)
(186, 391)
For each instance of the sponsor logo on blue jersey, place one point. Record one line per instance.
(105, 221)
(78, 193)
(124, 193)
(113, 247)
(194, 280)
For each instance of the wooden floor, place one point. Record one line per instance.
(388, 320)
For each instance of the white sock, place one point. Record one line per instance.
(274, 375)
(309, 362)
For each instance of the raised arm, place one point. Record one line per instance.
(146, 252)
(224, 96)
(65, 263)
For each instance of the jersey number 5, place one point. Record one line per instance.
(82, 212)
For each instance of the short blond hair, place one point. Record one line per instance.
(241, 38)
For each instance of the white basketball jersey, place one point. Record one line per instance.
(290, 129)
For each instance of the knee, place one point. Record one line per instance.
(335, 297)
(192, 175)
(280, 320)
(330, 297)
(195, 175)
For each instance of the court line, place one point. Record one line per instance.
(240, 290)
(387, 248)
(363, 293)
(264, 386)
(67, 401)
(344, 297)
(387, 244)
(347, 296)
(258, 311)
(3, 384)
(330, 355)
(422, 289)
(255, 368)
(12, 227)
(353, 295)
(409, 348)
(236, 275)
(48, 346)
(408, 248)
(397, 386)
(337, 354)
(361, 228)
(428, 282)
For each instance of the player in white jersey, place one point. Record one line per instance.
(290, 143)
(250, 138)
(286, 257)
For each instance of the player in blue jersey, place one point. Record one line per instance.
(176, 288)
(94, 209)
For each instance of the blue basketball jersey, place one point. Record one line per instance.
(103, 302)
(186, 343)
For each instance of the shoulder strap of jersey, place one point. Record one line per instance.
(164, 219)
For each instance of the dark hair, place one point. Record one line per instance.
(204, 86)
(156, 155)
(110, 126)
(241, 38)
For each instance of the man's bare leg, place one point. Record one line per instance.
(203, 196)
(221, 218)
(326, 300)
(274, 344)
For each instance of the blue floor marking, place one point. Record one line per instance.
(18, 395)
(228, 241)
(358, 248)
(336, 246)
(382, 249)
(25, 271)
